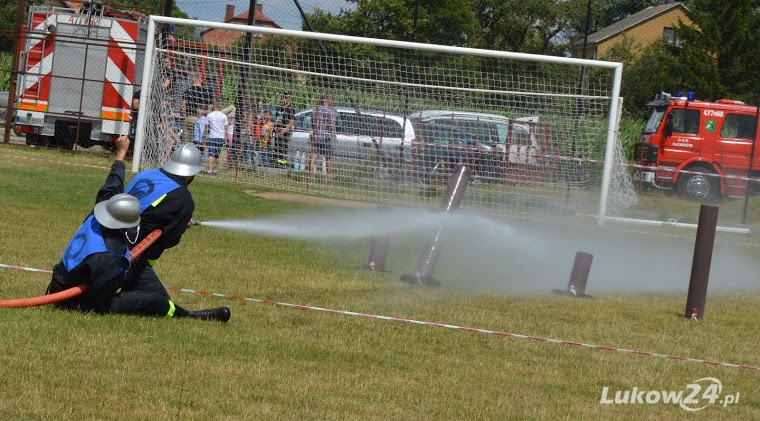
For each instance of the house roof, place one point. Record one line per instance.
(259, 18)
(631, 21)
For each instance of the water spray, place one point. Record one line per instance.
(378, 252)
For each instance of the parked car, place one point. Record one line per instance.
(438, 148)
(3, 106)
(359, 133)
(522, 141)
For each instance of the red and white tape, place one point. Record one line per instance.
(54, 162)
(470, 329)
(547, 156)
(449, 326)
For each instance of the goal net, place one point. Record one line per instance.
(387, 121)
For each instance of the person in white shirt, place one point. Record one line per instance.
(216, 131)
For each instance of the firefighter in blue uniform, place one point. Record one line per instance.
(98, 253)
(165, 204)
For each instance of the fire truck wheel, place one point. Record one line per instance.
(698, 185)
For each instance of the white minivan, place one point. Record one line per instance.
(359, 134)
(516, 138)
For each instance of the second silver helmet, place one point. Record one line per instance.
(120, 211)
(185, 161)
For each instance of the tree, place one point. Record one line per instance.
(447, 22)
(611, 11)
(8, 18)
(532, 26)
(719, 55)
(529, 26)
(646, 72)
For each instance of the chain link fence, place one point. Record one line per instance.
(89, 100)
(64, 86)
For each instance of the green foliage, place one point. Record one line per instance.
(448, 22)
(611, 11)
(521, 26)
(630, 130)
(718, 56)
(6, 60)
(644, 75)
(9, 22)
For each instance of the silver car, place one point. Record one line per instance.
(359, 134)
(3, 106)
(514, 137)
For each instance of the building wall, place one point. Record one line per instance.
(643, 34)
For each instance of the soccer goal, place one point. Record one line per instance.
(387, 122)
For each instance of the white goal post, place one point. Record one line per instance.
(539, 133)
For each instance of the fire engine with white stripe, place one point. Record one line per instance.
(702, 150)
(78, 71)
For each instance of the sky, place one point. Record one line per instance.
(283, 12)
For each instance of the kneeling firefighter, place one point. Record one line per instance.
(167, 205)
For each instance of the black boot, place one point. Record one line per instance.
(221, 314)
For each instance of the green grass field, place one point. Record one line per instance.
(283, 363)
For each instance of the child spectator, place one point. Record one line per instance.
(199, 130)
(264, 142)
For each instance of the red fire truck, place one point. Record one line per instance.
(702, 150)
(78, 70)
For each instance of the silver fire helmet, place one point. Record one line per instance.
(185, 161)
(120, 211)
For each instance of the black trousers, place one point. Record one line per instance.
(280, 148)
(142, 293)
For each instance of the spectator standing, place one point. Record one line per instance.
(283, 124)
(199, 133)
(216, 130)
(253, 122)
(165, 126)
(168, 75)
(232, 151)
(134, 113)
(175, 84)
(197, 99)
(265, 140)
(323, 126)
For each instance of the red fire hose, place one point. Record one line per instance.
(79, 289)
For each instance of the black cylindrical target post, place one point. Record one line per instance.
(700, 264)
(576, 286)
(378, 251)
(579, 274)
(423, 275)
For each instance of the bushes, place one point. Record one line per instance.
(6, 60)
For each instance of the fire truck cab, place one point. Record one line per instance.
(78, 70)
(702, 150)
